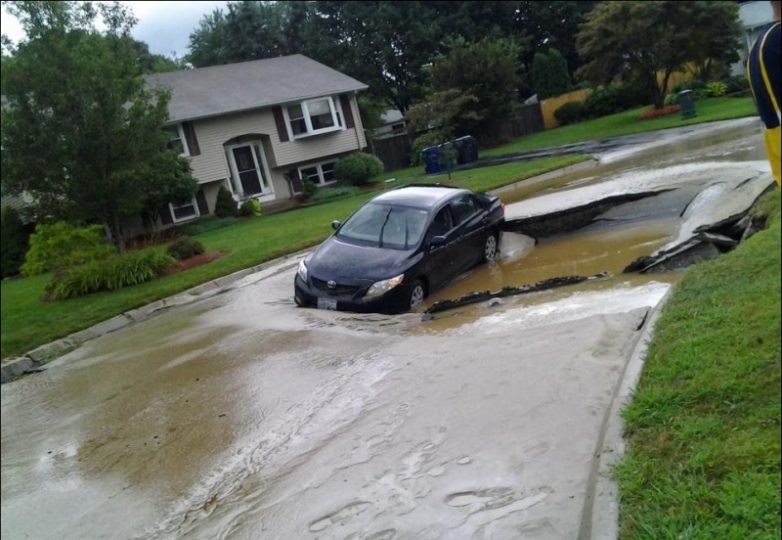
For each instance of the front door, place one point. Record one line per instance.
(250, 170)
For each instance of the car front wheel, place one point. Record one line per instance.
(415, 295)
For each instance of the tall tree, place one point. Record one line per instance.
(486, 70)
(80, 131)
(549, 74)
(640, 39)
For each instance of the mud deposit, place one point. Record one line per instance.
(243, 417)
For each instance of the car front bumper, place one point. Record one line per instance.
(307, 296)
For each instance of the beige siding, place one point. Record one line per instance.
(212, 134)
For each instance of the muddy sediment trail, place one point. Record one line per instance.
(241, 416)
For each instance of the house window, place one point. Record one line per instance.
(185, 211)
(313, 117)
(320, 174)
(176, 140)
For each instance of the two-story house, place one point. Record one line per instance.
(259, 127)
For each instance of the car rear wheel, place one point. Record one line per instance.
(490, 248)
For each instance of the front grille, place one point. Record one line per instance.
(339, 290)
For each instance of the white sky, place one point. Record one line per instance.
(164, 26)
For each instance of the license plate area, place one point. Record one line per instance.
(327, 303)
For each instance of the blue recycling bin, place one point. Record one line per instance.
(431, 159)
(467, 147)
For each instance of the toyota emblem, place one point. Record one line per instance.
(332, 284)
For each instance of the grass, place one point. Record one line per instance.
(626, 123)
(704, 425)
(28, 322)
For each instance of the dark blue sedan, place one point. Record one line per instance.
(399, 247)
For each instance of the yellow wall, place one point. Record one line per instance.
(686, 74)
(548, 106)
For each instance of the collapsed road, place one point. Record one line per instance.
(241, 416)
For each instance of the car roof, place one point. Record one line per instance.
(419, 196)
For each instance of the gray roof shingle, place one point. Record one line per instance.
(216, 90)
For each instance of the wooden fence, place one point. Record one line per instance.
(393, 151)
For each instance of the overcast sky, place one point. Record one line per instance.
(165, 26)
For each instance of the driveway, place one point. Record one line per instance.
(241, 416)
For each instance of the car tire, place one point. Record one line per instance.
(490, 247)
(297, 301)
(414, 296)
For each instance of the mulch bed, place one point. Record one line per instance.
(198, 260)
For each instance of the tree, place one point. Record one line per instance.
(447, 112)
(640, 39)
(81, 133)
(487, 70)
(549, 74)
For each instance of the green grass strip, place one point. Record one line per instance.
(704, 425)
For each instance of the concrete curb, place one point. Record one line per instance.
(602, 520)
(34, 359)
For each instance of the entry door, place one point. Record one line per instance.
(249, 169)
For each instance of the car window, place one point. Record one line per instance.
(395, 227)
(463, 208)
(441, 223)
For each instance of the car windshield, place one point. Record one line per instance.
(395, 227)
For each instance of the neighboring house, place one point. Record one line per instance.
(392, 122)
(258, 128)
(754, 17)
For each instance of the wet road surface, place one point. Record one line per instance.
(241, 416)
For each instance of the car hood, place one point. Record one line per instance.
(335, 259)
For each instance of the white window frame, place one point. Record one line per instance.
(172, 207)
(334, 107)
(181, 132)
(319, 167)
(267, 192)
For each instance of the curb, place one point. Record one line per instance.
(600, 519)
(34, 359)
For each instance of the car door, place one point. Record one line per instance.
(441, 265)
(469, 220)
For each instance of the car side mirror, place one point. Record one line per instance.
(437, 241)
(335, 224)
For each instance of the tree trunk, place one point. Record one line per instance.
(661, 89)
(116, 232)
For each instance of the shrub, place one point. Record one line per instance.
(699, 93)
(358, 168)
(308, 188)
(57, 246)
(225, 206)
(670, 99)
(734, 85)
(250, 208)
(13, 242)
(109, 274)
(329, 193)
(569, 113)
(602, 101)
(185, 248)
(433, 138)
(716, 88)
(205, 225)
(656, 113)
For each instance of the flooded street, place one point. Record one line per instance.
(241, 416)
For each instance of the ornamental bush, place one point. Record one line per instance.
(569, 113)
(185, 248)
(60, 245)
(225, 205)
(250, 208)
(308, 188)
(716, 89)
(109, 274)
(357, 168)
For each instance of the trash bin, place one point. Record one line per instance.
(687, 104)
(467, 147)
(431, 158)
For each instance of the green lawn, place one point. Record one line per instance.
(626, 123)
(704, 425)
(27, 322)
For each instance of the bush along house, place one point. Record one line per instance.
(260, 127)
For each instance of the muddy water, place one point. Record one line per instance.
(243, 417)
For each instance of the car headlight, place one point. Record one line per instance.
(382, 287)
(302, 271)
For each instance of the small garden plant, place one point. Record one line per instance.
(357, 168)
(185, 248)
